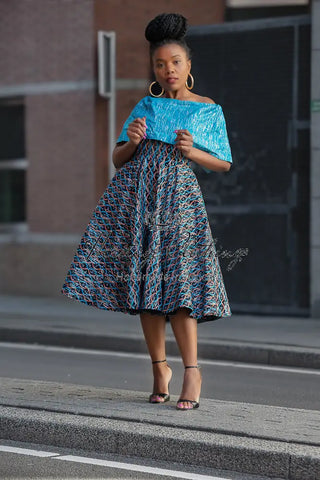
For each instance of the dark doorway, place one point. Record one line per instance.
(259, 72)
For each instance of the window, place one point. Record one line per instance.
(12, 164)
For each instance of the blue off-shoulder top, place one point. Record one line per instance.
(205, 122)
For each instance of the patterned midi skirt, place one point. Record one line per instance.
(148, 245)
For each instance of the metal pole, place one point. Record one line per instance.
(107, 87)
(112, 102)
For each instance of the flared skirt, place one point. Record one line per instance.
(148, 245)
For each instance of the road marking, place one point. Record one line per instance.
(108, 463)
(26, 451)
(140, 468)
(144, 356)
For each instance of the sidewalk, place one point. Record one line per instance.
(257, 439)
(278, 340)
(242, 437)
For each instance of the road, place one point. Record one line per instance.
(222, 380)
(39, 461)
(231, 381)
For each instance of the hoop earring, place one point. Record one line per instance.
(192, 82)
(150, 90)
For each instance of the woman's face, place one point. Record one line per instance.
(171, 67)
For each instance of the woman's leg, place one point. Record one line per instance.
(185, 330)
(154, 328)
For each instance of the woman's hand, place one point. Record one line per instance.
(184, 141)
(137, 130)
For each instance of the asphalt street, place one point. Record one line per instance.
(40, 461)
(77, 378)
(222, 380)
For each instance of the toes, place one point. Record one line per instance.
(157, 398)
(184, 405)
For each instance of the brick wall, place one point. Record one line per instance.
(60, 148)
(43, 42)
(47, 41)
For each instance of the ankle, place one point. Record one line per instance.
(192, 368)
(192, 373)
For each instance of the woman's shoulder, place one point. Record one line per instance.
(207, 100)
(201, 99)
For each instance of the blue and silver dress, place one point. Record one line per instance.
(148, 245)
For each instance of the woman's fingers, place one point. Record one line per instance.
(184, 144)
(140, 121)
(183, 132)
(137, 128)
(137, 123)
(184, 139)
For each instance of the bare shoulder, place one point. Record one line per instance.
(207, 100)
(199, 98)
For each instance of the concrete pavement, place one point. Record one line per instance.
(244, 437)
(258, 439)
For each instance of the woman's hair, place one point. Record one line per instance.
(167, 28)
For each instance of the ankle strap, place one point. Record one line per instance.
(159, 361)
(192, 366)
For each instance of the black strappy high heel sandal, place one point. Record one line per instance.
(165, 396)
(194, 403)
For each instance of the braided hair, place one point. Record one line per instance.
(167, 28)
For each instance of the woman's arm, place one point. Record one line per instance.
(122, 153)
(136, 132)
(207, 160)
(184, 142)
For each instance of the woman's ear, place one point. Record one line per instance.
(189, 64)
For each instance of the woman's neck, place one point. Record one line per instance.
(179, 95)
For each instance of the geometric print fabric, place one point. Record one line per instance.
(148, 245)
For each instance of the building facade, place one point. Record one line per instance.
(54, 163)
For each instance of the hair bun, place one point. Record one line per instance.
(171, 26)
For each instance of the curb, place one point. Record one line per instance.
(250, 352)
(199, 448)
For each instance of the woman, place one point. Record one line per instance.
(148, 248)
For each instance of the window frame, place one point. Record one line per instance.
(14, 164)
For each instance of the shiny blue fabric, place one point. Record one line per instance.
(205, 121)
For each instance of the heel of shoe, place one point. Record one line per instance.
(194, 403)
(165, 396)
